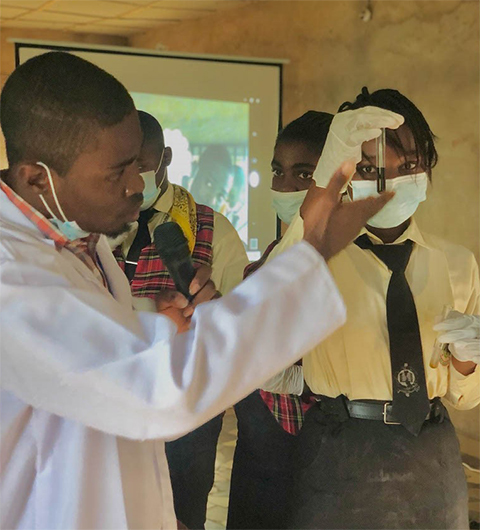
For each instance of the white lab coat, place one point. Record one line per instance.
(84, 377)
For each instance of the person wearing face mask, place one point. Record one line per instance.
(90, 388)
(297, 149)
(267, 422)
(378, 450)
(213, 242)
(211, 237)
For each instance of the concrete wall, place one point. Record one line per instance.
(429, 50)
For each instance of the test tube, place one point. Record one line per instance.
(438, 347)
(381, 147)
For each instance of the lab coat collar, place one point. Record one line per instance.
(117, 281)
(14, 223)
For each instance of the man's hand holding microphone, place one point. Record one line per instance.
(178, 307)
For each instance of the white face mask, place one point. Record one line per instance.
(410, 191)
(151, 190)
(287, 203)
(69, 229)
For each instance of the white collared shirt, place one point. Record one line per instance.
(355, 360)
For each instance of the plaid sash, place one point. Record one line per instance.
(151, 276)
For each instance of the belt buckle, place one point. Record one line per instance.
(385, 405)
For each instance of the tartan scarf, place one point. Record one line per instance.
(196, 221)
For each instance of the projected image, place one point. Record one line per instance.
(209, 140)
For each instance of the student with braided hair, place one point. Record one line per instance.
(378, 449)
(268, 422)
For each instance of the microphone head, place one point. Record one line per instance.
(169, 239)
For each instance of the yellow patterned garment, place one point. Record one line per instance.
(177, 205)
(229, 254)
(184, 213)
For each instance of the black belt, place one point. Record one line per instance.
(373, 410)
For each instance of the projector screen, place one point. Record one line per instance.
(220, 116)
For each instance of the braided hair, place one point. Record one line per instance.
(415, 121)
(311, 129)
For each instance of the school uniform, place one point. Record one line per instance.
(359, 463)
(267, 425)
(212, 241)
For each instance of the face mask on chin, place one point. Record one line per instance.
(70, 229)
(410, 191)
(287, 203)
(151, 190)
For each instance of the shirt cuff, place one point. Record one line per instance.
(464, 389)
(290, 381)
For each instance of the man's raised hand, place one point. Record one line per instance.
(329, 224)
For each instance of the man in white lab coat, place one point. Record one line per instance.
(84, 377)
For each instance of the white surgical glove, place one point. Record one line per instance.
(348, 131)
(462, 333)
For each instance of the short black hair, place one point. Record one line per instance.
(393, 100)
(311, 128)
(52, 106)
(151, 128)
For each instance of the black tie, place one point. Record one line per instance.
(142, 240)
(410, 403)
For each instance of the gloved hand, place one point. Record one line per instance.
(347, 133)
(462, 333)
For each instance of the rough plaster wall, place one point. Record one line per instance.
(429, 50)
(7, 53)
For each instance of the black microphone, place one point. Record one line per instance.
(172, 247)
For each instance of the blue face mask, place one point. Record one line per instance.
(287, 203)
(69, 229)
(151, 190)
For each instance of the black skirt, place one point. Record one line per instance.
(363, 474)
(261, 483)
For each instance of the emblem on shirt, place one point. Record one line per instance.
(407, 381)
